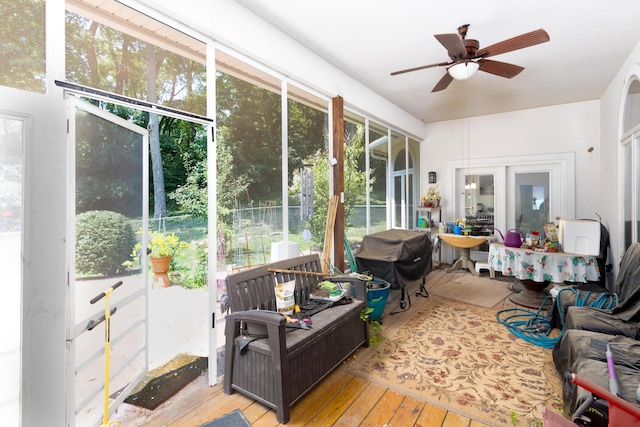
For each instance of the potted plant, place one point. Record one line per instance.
(161, 250)
(377, 294)
(434, 195)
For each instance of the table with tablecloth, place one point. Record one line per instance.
(531, 265)
(556, 267)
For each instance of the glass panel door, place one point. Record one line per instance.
(109, 202)
(403, 189)
(399, 202)
(533, 197)
(479, 204)
(12, 133)
(532, 201)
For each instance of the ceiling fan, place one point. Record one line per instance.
(467, 57)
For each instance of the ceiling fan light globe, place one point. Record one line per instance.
(463, 70)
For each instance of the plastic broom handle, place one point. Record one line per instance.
(614, 387)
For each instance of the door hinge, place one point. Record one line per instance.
(213, 320)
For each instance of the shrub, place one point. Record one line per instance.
(192, 266)
(104, 240)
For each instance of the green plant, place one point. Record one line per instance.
(161, 245)
(104, 240)
(191, 268)
(375, 328)
(516, 422)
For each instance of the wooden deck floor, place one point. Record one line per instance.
(339, 400)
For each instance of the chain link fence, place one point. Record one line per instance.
(255, 229)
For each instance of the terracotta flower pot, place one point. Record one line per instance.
(160, 267)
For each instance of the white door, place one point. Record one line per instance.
(32, 244)
(108, 174)
(536, 196)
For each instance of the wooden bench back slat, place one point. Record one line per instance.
(254, 288)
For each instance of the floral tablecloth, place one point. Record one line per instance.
(557, 267)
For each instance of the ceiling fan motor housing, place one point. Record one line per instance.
(472, 46)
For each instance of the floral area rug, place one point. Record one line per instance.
(474, 290)
(457, 356)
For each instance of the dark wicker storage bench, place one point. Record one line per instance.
(279, 368)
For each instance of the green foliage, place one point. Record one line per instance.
(354, 183)
(191, 268)
(161, 245)
(108, 167)
(192, 196)
(22, 28)
(375, 327)
(516, 422)
(107, 59)
(249, 120)
(104, 242)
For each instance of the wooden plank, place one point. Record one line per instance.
(337, 110)
(328, 233)
(214, 408)
(384, 410)
(268, 419)
(407, 413)
(475, 423)
(431, 416)
(455, 420)
(313, 402)
(361, 407)
(332, 410)
(256, 411)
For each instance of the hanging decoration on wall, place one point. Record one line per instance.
(432, 177)
(306, 192)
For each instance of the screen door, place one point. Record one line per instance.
(108, 184)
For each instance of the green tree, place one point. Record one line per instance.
(354, 182)
(250, 120)
(22, 55)
(192, 196)
(107, 59)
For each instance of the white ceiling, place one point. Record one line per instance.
(368, 39)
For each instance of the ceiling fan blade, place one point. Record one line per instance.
(422, 67)
(498, 68)
(519, 42)
(454, 45)
(443, 83)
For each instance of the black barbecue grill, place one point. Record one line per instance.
(397, 256)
